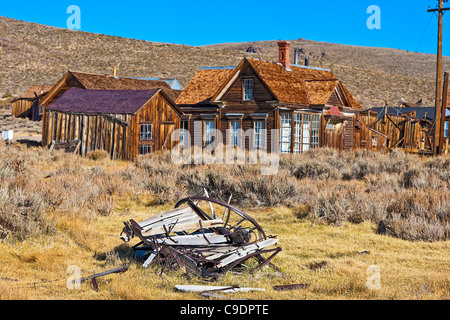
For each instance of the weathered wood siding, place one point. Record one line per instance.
(390, 132)
(118, 134)
(164, 120)
(22, 108)
(234, 104)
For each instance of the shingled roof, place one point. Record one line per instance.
(77, 100)
(204, 85)
(298, 85)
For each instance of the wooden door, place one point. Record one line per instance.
(166, 136)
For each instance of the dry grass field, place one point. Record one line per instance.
(346, 212)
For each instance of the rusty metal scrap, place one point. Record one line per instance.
(190, 237)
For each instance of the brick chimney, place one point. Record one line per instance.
(283, 53)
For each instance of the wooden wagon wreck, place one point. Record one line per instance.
(203, 243)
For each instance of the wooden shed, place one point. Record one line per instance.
(27, 105)
(259, 96)
(91, 81)
(125, 123)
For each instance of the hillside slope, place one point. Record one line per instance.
(31, 53)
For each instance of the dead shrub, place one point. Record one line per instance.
(98, 155)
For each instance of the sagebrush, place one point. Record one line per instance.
(403, 195)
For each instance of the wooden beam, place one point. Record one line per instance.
(184, 226)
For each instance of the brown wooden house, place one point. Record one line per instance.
(309, 107)
(125, 123)
(90, 81)
(27, 105)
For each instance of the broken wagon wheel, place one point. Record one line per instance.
(237, 211)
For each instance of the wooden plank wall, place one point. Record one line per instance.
(393, 131)
(22, 108)
(94, 132)
(164, 120)
(342, 137)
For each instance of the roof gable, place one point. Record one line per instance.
(235, 91)
(299, 85)
(320, 92)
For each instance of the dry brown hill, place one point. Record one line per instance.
(31, 53)
(372, 74)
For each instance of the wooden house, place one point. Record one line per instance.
(27, 105)
(90, 81)
(308, 107)
(125, 123)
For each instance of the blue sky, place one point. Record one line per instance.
(404, 24)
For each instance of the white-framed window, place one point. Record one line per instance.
(209, 132)
(146, 132)
(145, 149)
(306, 128)
(248, 89)
(184, 131)
(446, 129)
(298, 118)
(285, 132)
(235, 128)
(259, 133)
(305, 135)
(315, 129)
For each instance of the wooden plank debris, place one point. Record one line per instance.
(222, 289)
(189, 237)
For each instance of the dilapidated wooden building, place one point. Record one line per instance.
(125, 123)
(107, 112)
(28, 104)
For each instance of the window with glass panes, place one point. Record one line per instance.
(184, 132)
(298, 117)
(248, 89)
(235, 126)
(315, 127)
(285, 132)
(259, 133)
(145, 149)
(209, 132)
(306, 128)
(305, 135)
(146, 132)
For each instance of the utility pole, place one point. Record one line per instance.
(438, 129)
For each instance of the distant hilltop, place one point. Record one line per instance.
(33, 53)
